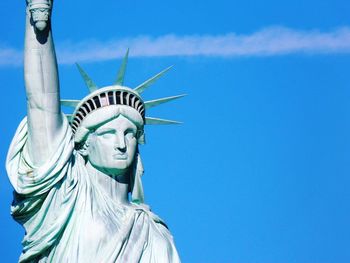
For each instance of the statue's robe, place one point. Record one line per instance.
(68, 218)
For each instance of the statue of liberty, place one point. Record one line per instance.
(72, 174)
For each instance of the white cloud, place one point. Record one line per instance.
(10, 57)
(270, 41)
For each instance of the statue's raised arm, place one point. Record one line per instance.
(41, 81)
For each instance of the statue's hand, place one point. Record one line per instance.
(40, 11)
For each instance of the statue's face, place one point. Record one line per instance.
(111, 148)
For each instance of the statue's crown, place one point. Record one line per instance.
(116, 94)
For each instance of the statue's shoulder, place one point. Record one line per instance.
(147, 209)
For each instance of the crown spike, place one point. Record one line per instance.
(122, 69)
(88, 81)
(70, 103)
(153, 103)
(157, 121)
(140, 88)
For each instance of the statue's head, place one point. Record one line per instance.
(108, 125)
(111, 147)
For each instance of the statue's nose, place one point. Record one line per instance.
(120, 143)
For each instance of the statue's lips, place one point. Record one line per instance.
(120, 156)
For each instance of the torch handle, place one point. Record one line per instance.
(40, 12)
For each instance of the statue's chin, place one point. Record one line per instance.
(40, 25)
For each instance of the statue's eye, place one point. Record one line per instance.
(107, 135)
(129, 133)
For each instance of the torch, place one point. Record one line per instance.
(40, 11)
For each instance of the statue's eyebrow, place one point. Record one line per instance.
(101, 131)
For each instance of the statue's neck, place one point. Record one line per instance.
(115, 187)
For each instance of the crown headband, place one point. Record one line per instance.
(116, 95)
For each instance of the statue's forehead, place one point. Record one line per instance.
(119, 123)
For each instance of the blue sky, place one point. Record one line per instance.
(259, 171)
